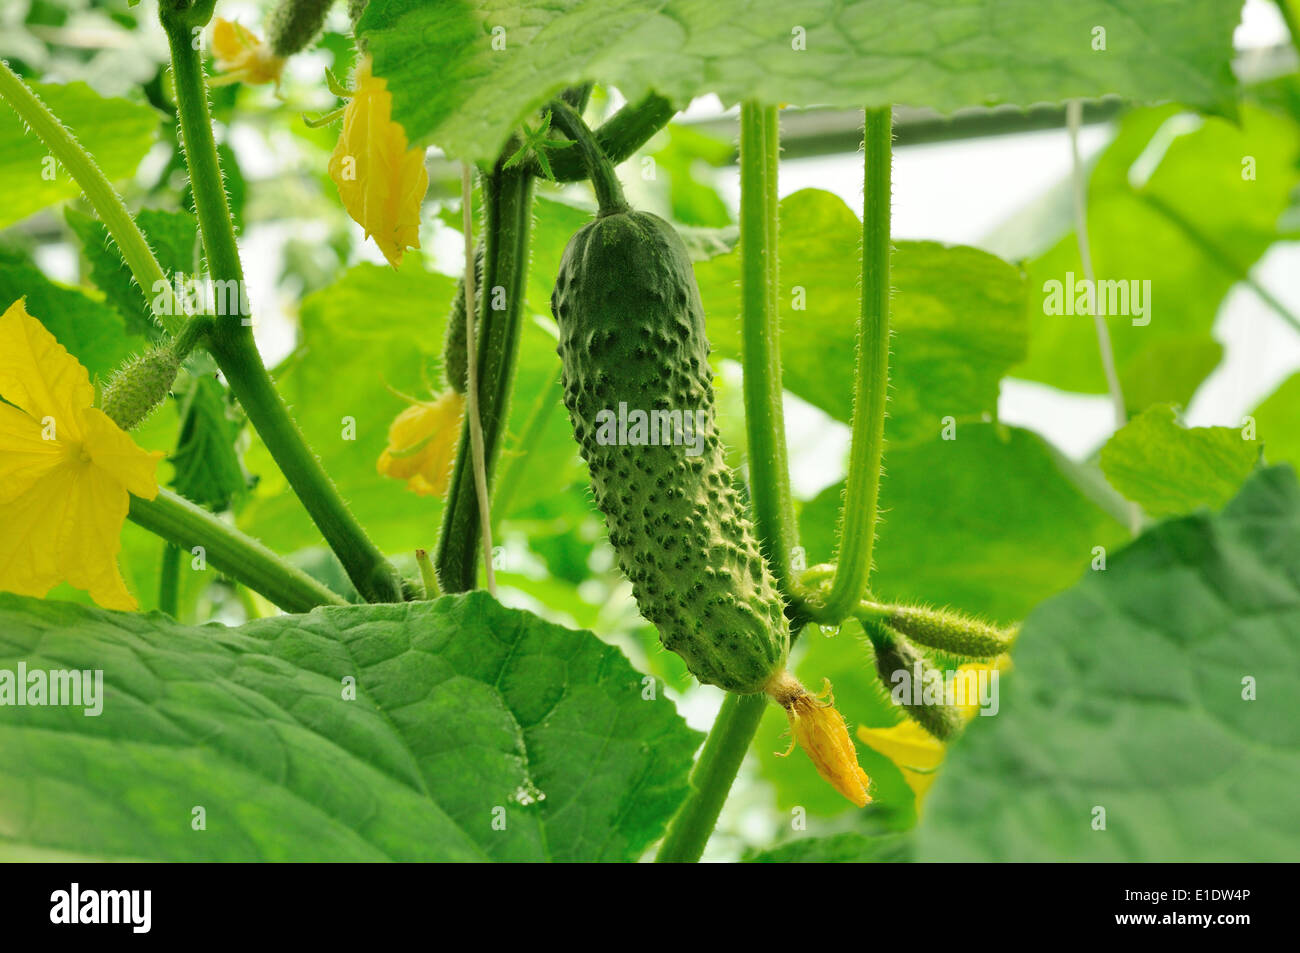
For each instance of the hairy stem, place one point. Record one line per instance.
(769, 468)
(711, 778)
(507, 200)
(108, 205)
(871, 384)
(609, 193)
(226, 549)
(231, 338)
(472, 420)
(618, 137)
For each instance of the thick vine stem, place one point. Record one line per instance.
(609, 192)
(507, 200)
(226, 549)
(621, 135)
(231, 339)
(711, 778)
(858, 521)
(769, 469)
(108, 205)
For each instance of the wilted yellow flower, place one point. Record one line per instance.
(380, 180)
(422, 444)
(915, 751)
(66, 470)
(242, 57)
(820, 730)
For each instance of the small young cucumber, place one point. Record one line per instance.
(633, 346)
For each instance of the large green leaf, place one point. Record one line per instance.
(987, 522)
(116, 132)
(464, 74)
(372, 334)
(1172, 201)
(953, 339)
(465, 714)
(91, 331)
(173, 237)
(1169, 469)
(1135, 692)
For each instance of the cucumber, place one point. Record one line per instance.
(632, 340)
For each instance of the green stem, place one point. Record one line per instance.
(609, 192)
(231, 339)
(738, 719)
(226, 549)
(131, 243)
(619, 137)
(769, 469)
(507, 201)
(711, 779)
(871, 386)
(169, 579)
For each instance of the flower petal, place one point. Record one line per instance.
(381, 181)
(116, 455)
(25, 455)
(39, 376)
(66, 527)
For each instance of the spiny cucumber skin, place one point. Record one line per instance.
(293, 24)
(896, 654)
(632, 330)
(950, 632)
(140, 386)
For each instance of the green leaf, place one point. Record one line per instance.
(839, 849)
(1129, 694)
(173, 237)
(208, 467)
(90, 330)
(372, 332)
(987, 523)
(952, 340)
(465, 712)
(1168, 469)
(464, 75)
(1169, 202)
(1277, 423)
(117, 133)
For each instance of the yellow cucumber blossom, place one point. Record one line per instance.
(380, 179)
(820, 730)
(422, 444)
(915, 751)
(241, 57)
(66, 470)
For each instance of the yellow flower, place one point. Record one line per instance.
(915, 751)
(66, 470)
(422, 443)
(820, 730)
(380, 180)
(242, 57)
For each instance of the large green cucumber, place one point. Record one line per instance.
(632, 336)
